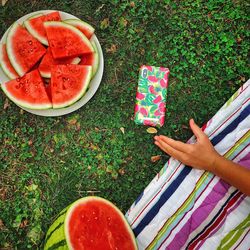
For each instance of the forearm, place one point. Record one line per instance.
(232, 173)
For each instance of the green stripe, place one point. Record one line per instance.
(64, 211)
(56, 228)
(231, 238)
(57, 245)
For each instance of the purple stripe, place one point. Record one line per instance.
(242, 197)
(245, 161)
(200, 214)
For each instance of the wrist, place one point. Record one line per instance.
(214, 163)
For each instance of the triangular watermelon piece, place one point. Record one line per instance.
(36, 28)
(28, 91)
(84, 27)
(5, 63)
(48, 61)
(69, 83)
(91, 59)
(66, 41)
(24, 51)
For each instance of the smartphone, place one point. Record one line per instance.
(151, 96)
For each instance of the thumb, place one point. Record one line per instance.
(196, 130)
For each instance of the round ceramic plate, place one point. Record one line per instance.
(93, 86)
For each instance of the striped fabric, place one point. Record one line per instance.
(185, 208)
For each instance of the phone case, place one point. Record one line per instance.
(151, 96)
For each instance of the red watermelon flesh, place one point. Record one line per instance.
(96, 224)
(36, 28)
(24, 51)
(5, 63)
(48, 61)
(69, 83)
(28, 91)
(66, 41)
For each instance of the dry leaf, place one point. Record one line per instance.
(123, 22)
(122, 129)
(112, 49)
(4, 2)
(6, 104)
(132, 4)
(121, 171)
(72, 121)
(239, 40)
(242, 78)
(104, 23)
(152, 130)
(21, 112)
(1, 224)
(24, 223)
(30, 142)
(155, 158)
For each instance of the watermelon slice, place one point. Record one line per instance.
(36, 28)
(5, 63)
(91, 59)
(69, 83)
(28, 91)
(84, 27)
(91, 223)
(66, 41)
(24, 51)
(48, 61)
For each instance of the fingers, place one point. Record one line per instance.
(169, 150)
(180, 146)
(196, 130)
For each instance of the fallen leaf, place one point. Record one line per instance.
(21, 112)
(155, 158)
(112, 49)
(242, 78)
(104, 23)
(24, 223)
(121, 171)
(239, 40)
(122, 129)
(152, 130)
(30, 142)
(132, 4)
(6, 104)
(184, 126)
(4, 2)
(72, 121)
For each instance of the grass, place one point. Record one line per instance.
(47, 163)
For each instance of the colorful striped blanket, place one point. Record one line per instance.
(185, 208)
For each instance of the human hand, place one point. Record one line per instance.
(201, 155)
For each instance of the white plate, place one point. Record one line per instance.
(93, 86)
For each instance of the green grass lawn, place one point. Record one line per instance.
(47, 163)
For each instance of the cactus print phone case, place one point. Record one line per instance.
(151, 96)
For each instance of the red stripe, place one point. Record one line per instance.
(217, 222)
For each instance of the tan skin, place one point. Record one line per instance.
(202, 155)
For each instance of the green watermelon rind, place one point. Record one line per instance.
(86, 199)
(22, 103)
(81, 23)
(96, 59)
(10, 53)
(33, 32)
(79, 95)
(9, 74)
(73, 29)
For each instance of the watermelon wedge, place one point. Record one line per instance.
(91, 223)
(36, 28)
(23, 50)
(48, 61)
(84, 27)
(69, 83)
(28, 91)
(66, 41)
(5, 63)
(91, 59)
